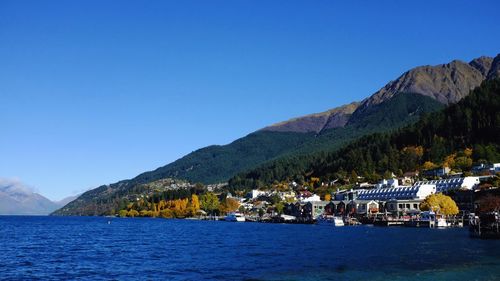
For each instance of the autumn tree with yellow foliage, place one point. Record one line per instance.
(461, 160)
(178, 208)
(229, 205)
(194, 205)
(132, 213)
(439, 203)
(122, 213)
(428, 165)
(315, 182)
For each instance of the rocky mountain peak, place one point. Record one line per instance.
(316, 122)
(483, 64)
(446, 83)
(495, 68)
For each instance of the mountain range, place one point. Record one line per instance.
(459, 135)
(400, 102)
(445, 83)
(19, 199)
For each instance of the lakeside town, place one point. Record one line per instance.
(435, 198)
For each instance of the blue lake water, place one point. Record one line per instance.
(88, 248)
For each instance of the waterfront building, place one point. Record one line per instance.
(330, 208)
(314, 208)
(400, 199)
(294, 209)
(446, 185)
(399, 207)
(401, 193)
(367, 207)
(339, 206)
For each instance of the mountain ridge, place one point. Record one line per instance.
(472, 124)
(442, 84)
(316, 122)
(446, 83)
(18, 199)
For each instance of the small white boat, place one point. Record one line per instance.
(433, 219)
(288, 218)
(441, 222)
(238, 217)
(351, 221)
(329, 220)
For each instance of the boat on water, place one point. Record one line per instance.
(351, 221)
(236, 217)
(428, 219)
(329, 220)
(430, 216)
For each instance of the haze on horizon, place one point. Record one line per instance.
(93, 92)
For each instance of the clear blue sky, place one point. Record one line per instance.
(92, 92)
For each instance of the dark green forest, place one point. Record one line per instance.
(472, 126)
(277, 156)
(218, 163)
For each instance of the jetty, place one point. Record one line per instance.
(485, 226)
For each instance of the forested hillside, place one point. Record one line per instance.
(463, 133)
(399, 103)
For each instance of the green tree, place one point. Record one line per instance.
(463, 163)
(261, 212)
(387, 174)
(209, 202)
(275, 199)
(279, 207)
(353, 178)
(241, 209)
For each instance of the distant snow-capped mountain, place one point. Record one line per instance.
(18, 199)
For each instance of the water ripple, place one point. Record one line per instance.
(83, 248)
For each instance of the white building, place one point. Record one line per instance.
(313, 198)
(398, 207)
(495, 167)
(256, 193)
(400, 193)
(486, 168)
(452, 183)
